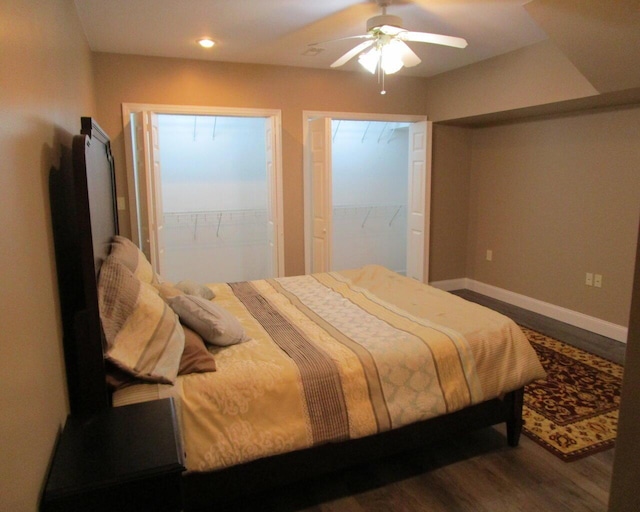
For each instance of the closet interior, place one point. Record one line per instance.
(214, 197)
(369, 194)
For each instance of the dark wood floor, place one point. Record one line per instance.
(476, 473)
(596, 344)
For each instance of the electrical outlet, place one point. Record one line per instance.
(597, 280)
(589, 279)
(489, 255)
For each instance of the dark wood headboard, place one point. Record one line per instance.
(84, 216)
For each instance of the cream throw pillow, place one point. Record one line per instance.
(144, 335)
(215, 324)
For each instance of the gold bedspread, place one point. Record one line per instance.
(338, 356)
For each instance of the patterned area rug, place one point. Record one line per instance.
(574, 413)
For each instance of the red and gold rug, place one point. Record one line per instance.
(574, 412)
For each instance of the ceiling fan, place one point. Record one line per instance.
(385, 41)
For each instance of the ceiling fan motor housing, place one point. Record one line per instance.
(382, 20)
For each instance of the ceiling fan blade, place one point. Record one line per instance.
(425, 37)
(408, 57)
(352, 53)
(364, 36)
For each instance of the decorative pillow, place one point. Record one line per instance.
(195, 357)
(144, 335)
(190, 287)
(215, 324)
(128, 254)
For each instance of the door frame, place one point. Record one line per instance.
(276, 178)
(308, 115)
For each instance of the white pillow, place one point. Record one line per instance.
(215, 324)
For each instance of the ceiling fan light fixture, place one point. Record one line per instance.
(391, 57)
(388, 56)
(369, 60)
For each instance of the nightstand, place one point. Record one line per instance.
(120, 459)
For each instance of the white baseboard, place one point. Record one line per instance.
(568, 316)
(451, 284)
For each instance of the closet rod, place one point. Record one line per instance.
(215, 212)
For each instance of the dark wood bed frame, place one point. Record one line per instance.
(83, 202)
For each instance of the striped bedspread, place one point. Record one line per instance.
(338, 356)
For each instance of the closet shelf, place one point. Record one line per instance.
(215, 217)
(229, 224)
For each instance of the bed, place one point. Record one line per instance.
(314, 372)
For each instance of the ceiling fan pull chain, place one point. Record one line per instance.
(381, 74)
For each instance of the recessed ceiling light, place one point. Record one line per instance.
(205, 42)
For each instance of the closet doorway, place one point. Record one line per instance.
(367, 190)
(205, 191)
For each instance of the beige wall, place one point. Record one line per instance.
(450, 202)
(46, 87)
(555, 199)
(132, 79)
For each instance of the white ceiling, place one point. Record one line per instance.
(279, 31)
